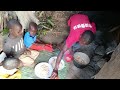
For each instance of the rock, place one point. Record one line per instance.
(96, 58)
(99, 37)
(111, 47)
(101, 62)
(94, 65)
(89, 71)
(54, 38)
(100, 50)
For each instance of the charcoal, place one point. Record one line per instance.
(96, 58)
(101, 62)
(111, 47)
(99, 38)
(89, 71)
(94, 65)
(100, 50)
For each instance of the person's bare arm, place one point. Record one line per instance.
(59, 57)
(38, 41)
(27, 51)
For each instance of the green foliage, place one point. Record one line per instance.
(46, 26)
(49, 21)
(5, 31)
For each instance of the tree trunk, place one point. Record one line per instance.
(111, 69)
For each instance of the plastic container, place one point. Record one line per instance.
(53, 59)
(39, 70)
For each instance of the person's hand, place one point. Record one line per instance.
(27, 52)
(54, 74)
(68, 59)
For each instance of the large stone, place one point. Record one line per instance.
(94, 65)
(99, 38)
(100, 50)
(111, 47)
(101, 63)
(96, 58)
(54, 37)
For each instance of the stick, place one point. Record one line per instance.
(46, 27)
(41, 14)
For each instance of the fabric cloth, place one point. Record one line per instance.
(38, 47)
(29, 40)
(28, 60)
(14, 46)
(78, 23)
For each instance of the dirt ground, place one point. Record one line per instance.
(60, 31)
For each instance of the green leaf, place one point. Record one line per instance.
(44, 32)
(5, 31)
(50, 22)
(50, 17)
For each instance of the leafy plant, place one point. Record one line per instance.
(5, 31)
(45, 25)
(44, 32)
(49, 21)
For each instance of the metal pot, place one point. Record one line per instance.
(81, 60)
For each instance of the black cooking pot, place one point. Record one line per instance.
(81, 66)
